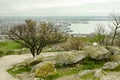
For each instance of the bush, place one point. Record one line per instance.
(2, 53)
(9, 52)
(45, 69)
(74, 43)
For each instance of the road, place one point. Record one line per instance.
(7, 62)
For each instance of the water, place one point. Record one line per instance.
(87, 28)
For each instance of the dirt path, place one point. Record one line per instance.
(7, 62)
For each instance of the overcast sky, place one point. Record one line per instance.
(58, 7)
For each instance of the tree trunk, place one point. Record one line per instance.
(112, 43)
(39, 50)
(32, 50)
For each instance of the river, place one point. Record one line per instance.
(87, 28)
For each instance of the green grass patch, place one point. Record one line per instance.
(92, 64)
(9, 45)
(18, 70)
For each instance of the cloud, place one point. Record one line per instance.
(57, 7)
(55, 3)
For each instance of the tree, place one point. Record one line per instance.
(35, 37)
(101, 33)
(115, 18)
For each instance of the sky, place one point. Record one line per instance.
(58, 7)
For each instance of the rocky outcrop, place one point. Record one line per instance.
(113, 49)
(70, 57)
(111, 65)
(60, 58)
(97, 52)
(111, 76)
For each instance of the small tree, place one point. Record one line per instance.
(101, 33)
(115, 18)
(35, 37)
(74, 43)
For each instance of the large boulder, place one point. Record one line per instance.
(114, 49)
(115, 57)
(96, 74)
(97, 52)
(111, 65)
(70, 57)
(44, 69)
(59, 58)
(111, 76)
(42, 57)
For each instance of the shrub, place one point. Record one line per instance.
(74, 43)
(2, 53)
(45, 69)
(9, 52)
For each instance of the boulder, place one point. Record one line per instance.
(111, 76)
(97, 52)
(98, 73)
(24, 63)
(42, 57)
(70, 57)
(113, 49)
(82, 73)
(34, 61)
(44, 69)
(60, 58)
(111, 65)
(29, 77)
(115, 57)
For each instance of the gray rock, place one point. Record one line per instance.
(111, 65)
(114, 49)
(85, 72)
(98, 73)
(60, 58)
(97, 52)
(34, 61)
(111, 76)
(70, 57)
(29, 77)
(36, 79)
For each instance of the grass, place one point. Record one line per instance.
(18, 70)
(8, 44)
(9, 47)
(92, 64)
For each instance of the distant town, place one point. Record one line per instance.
(61, 22)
